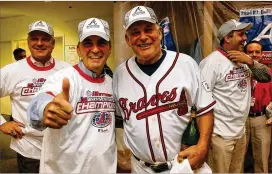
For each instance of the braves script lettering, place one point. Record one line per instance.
(141, 104)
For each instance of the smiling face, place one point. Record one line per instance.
(236, 40)
(40, 45)
(94, 51)
(254, 50)
(144, 38)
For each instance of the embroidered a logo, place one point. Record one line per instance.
(166, 99)
(92, 24)
(39, 24)
(138, 11)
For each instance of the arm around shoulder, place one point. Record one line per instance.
(260, 72)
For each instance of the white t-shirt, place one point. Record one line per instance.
(231, 89)
(21, 80)
(87, 143)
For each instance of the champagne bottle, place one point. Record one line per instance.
(191, 134)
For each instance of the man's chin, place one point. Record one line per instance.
(41, 57)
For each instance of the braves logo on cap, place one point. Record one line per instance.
(39, 24)
(138, 11)
(101, 119)
(92, 24)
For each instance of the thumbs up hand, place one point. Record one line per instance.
(59, 110)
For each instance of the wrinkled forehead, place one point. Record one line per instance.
(37, 33)
(255, 46)
(140, 24)
(94, 38)
(240, 31)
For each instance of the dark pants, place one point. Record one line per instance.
(27, 165)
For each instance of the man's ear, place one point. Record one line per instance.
(110, 47)
(78, 52)
(127, 40)
(54, 41)
(160, 32)
(227, 38)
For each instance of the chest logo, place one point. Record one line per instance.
(165, 100)
(101, 119)
(33, 87)
(95, 101)
(237, 74)
(242, 84)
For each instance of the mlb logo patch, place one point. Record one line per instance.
(101, 119)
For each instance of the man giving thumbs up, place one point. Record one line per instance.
(59, 111)
(75, 108)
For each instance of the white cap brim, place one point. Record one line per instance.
(45, 31)
(242, 26)
(148, 19)
(96, 33)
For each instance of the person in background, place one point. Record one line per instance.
(19, 54)
(21, 80)
(76, 107)
(257, 131)
(228, 72)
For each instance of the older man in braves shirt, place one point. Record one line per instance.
(77, 106)
(228, 72)
(21, 80)
(154, 90)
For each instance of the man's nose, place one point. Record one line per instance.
(143, 36)
(39, 42)
(244, 37)
(95, 49)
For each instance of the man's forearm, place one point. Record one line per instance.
(35, 110)
(205, 126)
(260, 72)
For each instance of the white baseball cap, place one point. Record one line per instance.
(140, 13)
(93, 26)
(41, 26)
(231, 25)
